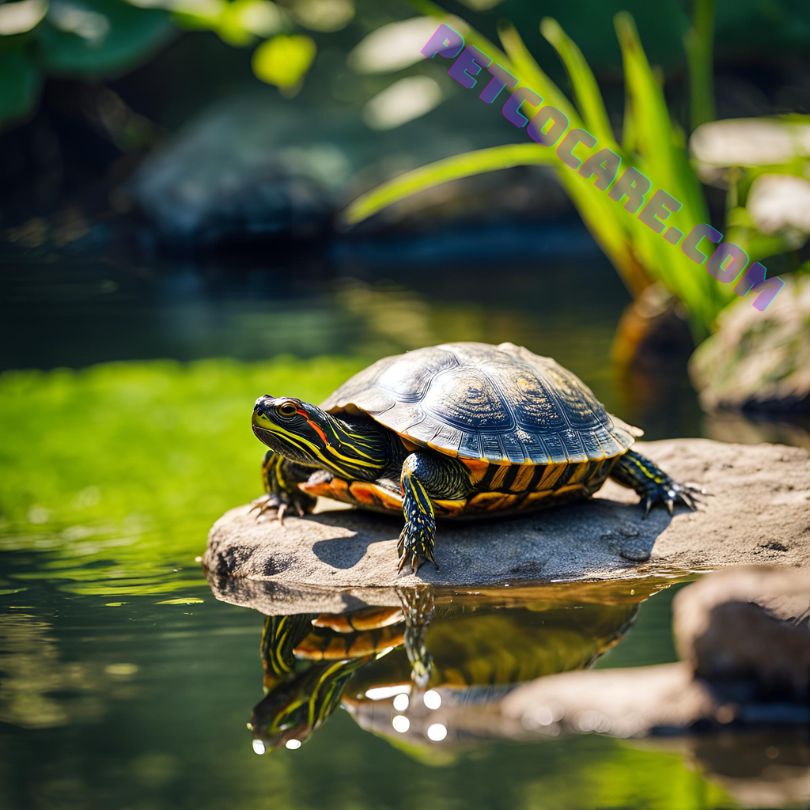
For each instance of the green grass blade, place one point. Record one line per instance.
(662, 157)
(586, 90)
(525, 67)
(699, 59)
(444, 171)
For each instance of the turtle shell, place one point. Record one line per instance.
(502, 404)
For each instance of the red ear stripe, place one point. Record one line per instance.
(315, 427)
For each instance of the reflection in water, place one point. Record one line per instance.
(38, 689)
(431, 676)
(427, 671)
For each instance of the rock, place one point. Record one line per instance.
(757, 512)
(745, 638)
(631, 702)
(748, 625)
(225, 178)
(758, 360)
(254, 167)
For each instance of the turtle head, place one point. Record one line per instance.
(298, 703)
(308, 435)
(281, 720)
(295, 429)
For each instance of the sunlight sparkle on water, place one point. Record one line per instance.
(401, 723)
(401, 702)
(432, 699)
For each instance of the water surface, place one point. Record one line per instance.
(125, 408)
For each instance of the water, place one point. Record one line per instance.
(124, 682)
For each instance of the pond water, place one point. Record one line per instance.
(125, 405)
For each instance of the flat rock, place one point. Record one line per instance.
(757, 512)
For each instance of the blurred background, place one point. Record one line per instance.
(207, 200)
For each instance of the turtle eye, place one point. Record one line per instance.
(287, 409)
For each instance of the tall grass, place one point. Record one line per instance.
(650, 142)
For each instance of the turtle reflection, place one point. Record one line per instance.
(427, 669)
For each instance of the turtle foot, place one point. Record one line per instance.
(670, 493)
(417, 542)
(275, 506)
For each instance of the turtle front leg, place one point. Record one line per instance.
(653, 485)
(281, 478)
(425, 476)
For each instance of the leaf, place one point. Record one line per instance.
(99, 37)
(20, 83)
(284, 60)
(586, 90)
(662, 157)
(444, 171)
(530, 73)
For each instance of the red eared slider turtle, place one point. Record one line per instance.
(314, 663)
(456, 430)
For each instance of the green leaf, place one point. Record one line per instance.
(529, 72)
(284, 60)
(444, 171)
(661, 155)
(99, 37)
(586, 90)
(699, 59)
(20, 83)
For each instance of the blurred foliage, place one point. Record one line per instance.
(90, 38)
(651, 142)
(743, 157)
(103, 38)
(284, 60)
(118, 470)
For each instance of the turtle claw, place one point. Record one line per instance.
(671, 494)
(276, 506)
(416, 546)
(266, 503)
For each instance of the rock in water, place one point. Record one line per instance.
(750, 626)
(756, 513)
(746, 664)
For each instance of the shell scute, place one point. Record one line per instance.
(501, 405)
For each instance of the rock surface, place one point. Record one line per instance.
(757, 513)
(758, 361)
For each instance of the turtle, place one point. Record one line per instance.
(314, 663)
(457, 430)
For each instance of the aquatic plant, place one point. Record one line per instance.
(92, 39)
(651, 142)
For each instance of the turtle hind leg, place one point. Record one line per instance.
(653, 485)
